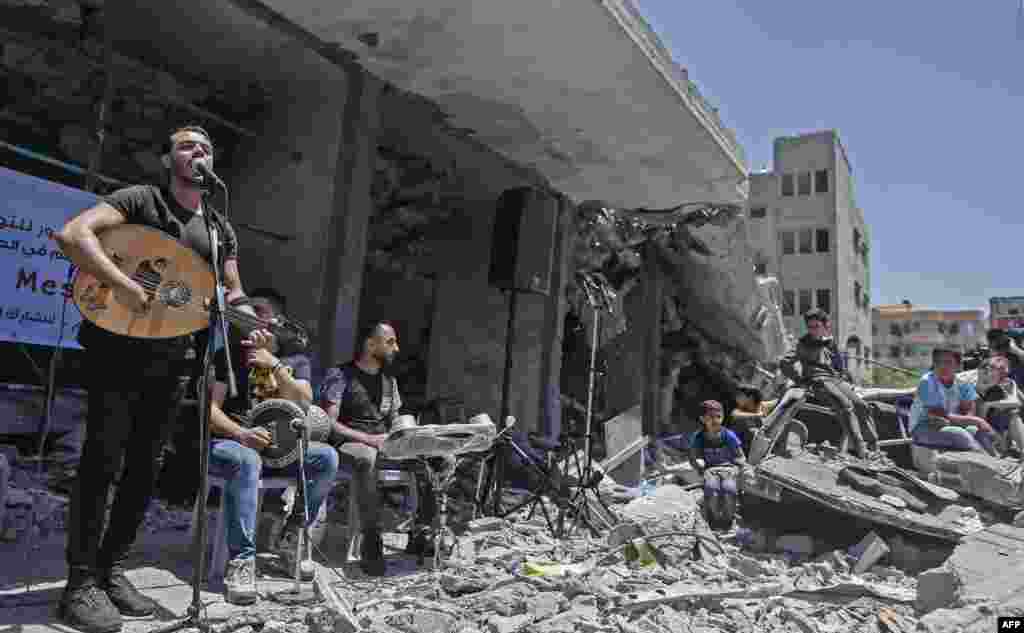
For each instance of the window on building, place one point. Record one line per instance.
(787, 185)
(857, 296)
(758, 212)
(805, 301)
(894, 329)
(760, 268)
(942, 327)
(856, 240)
(803, 183)
(908, 327)
(821, 181)
(908, 351)
(894, 351)
(788, 242)
(917, 326)
(1013, 311)
(824, 299)
(954, 328)
(788, 303)
(821, 240)
(806, 240)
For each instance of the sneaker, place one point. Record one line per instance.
(372, 554)
(288, 549)
(124, 596)
(87, 608)
(240, 581)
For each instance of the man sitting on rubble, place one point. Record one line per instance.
(999, 400)
(821, 369)
(943, 413)
(722, 453)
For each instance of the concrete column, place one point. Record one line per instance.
(654, 292)
(346, 230)
(554, 324)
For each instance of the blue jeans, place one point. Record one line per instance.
(241, 467)
(958, 438)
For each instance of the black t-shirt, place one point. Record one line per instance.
(373, 383)
(156, 207)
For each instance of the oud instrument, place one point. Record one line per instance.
(180, 285)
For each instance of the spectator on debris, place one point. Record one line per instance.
(1001, 342)
(749, 413)
(722, 453)
(943, 413)
(821, 369)
(999, 400)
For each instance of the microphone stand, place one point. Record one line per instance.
(599, 300)
(295, 595)
(218, 323)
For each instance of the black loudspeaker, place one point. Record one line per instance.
(523, 242)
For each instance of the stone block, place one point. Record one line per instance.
(869, 551)
(508, 624)
(799, 546)
(937, 589)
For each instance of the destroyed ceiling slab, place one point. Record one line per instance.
(583, 91)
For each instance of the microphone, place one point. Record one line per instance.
(206, 171)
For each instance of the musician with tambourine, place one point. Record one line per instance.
(252, 437)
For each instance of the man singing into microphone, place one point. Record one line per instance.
(134, 384)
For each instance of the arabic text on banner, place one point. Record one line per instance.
(34, 282)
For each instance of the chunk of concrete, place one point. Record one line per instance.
(937, 589)
(799, 546)
(869, 551)
(508, 624)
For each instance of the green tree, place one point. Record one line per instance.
(886, 377)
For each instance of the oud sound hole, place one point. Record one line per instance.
(175, 294)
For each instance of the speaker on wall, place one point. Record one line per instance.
(523, 241)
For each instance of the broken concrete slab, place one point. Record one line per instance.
(623, 433)
(986, 566)
(998, 481)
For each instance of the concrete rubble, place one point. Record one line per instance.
(660, 569)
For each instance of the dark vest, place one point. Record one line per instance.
(358, 411)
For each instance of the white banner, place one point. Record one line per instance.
(34, 285)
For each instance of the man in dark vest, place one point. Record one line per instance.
(362, 401)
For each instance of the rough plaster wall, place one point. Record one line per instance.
(273, 192)
(467, 356)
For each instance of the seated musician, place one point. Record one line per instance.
(821, 369)
(943, 413)
(235, 456)
(362, 401)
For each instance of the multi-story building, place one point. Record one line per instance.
(905, 335)
(1006, 312)
(807, 230)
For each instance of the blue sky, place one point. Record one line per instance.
(928, 98)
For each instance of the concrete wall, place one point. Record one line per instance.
(273, 192)
(467, 347)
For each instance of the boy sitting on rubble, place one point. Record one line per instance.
(943, 414)
(722, 453)
(749, 414)
(821, 369)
